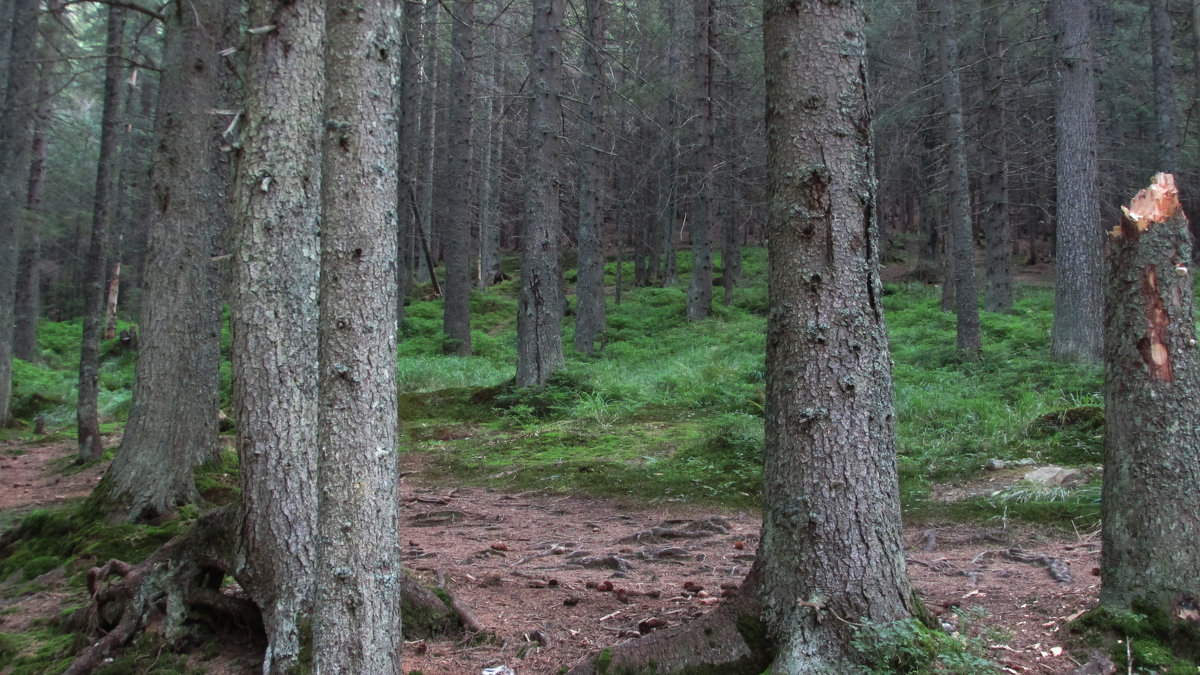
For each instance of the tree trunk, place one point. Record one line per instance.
(490, 271)
(408, 128)
(1166, 130)
(428, 143)
(590, 317)
(1078, 332)
(88, 414)
(15, 129)
(699, 298)
(274, 318)
(998, 292)
(829, 383)
(456, 324)
(1151, 499)
(356, 621)
(539, 313)
(173, 417)
(831, 554)
(29, 280)
(966, 300)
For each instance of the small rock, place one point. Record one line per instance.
(1054, 475)
(498, 670)
(1028, 461)
(994, 464)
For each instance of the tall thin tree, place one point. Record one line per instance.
(1078, 332)
(539, 312)
(356, 622)
(274, 318)
(88, 412)
(16, 126)
(589, 288)
(456, 322)
(966, 300)
(699, 296)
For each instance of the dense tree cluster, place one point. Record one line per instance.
(311, 165)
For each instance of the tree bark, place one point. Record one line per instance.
(173, 417)
(29, 281)
(408, 128)
(966, 299)
(15, 130)
(87, 413)
(456, 323)
(1166, 130)
(490, 271)
(699, 297)
(1078, 332)
(539, 312)
(831, 553)
(998, 291)
(1151, 499)
(274, 317)
(590, 318)
(356, 621)
(428, 142)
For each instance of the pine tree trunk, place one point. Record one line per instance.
(831, 554)
(173, 417)
(539, 312)
(1166, 130)
(966, 299)
(456, 325)
(15, 129)
(1151, 498)
(830, 415)
(490, 271)
(589, 288)
(356, 622)
(428, 143)
(998, 291)
(1078, 332)
(87, 413)
(699, 298)
(29, 281)
(408, 130)
(274, 318)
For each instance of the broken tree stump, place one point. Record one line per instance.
(1151, 497)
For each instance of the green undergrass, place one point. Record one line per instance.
(673, 410)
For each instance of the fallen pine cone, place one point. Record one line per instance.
(650, 624)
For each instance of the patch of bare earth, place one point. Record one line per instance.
(556, 578)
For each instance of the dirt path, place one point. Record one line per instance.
(558, 577)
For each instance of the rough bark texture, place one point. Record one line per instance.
(831, 553)
(29, 279)
(15, 129)
(273, 318)
(966, 299)
(408, 125)
(456, 323)
(699, 297)
(428, 145)
(1151, 500)
(539, 313)
(998, 291)
(1078, 332)
(1166, 130)
(490, 271)
(173, 417)
(356, 622)
(590, 318)
(831, 521)
(96, 262)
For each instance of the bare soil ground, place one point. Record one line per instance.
(558, 577)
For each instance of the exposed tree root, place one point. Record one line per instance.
(732, 640)
(179, 586)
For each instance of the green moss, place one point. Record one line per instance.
(603, 660)
(1155, 641)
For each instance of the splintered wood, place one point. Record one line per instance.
(1153, 204)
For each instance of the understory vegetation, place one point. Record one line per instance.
(666, 411)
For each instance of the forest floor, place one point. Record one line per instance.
(558, 577)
